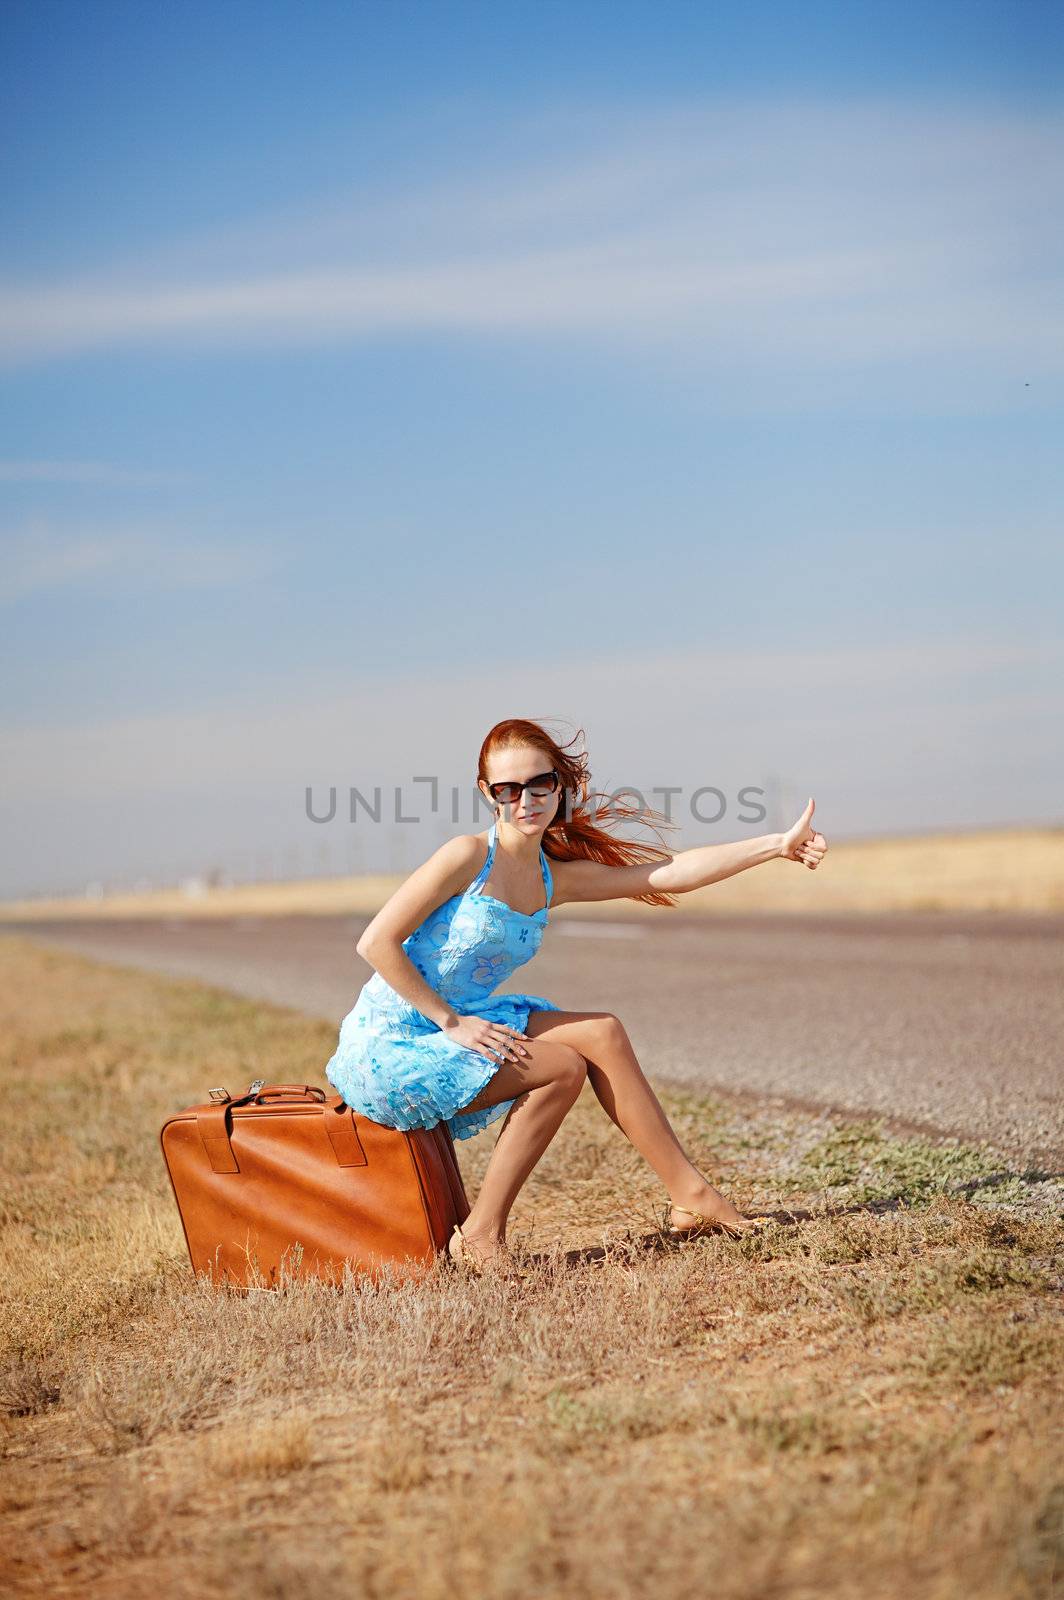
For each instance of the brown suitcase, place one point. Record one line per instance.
(286, 1175)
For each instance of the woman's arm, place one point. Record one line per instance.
(710, 863)
(400, 973)
(688, 869)
(448, 871)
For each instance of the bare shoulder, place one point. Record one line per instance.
(447, 872)
(464, 850)
(454, 864)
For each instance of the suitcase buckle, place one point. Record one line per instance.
(219, 1094)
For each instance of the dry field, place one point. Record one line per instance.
(1004, 869)
(863, 1402)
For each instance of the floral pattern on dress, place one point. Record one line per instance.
(394, 1064)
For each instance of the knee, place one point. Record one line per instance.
(609, 1031)
(571, 1068)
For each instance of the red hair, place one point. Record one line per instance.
(572, 835)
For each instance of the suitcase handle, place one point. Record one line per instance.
(290, 1091)
(215, 1124)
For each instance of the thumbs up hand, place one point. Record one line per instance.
(803, 843)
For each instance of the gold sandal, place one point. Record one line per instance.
(463, 1254)
(708, 1225)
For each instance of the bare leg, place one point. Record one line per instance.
(544, 1086)
(628, 1099)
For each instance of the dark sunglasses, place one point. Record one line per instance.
(509, 794)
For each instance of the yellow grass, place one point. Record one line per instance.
(1008, 869)
(863, 1402)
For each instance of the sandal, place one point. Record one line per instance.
(464, 1254)
(707, 1225)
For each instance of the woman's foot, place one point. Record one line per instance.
(710, 1212)
(480, 1254)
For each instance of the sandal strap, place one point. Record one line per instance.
(716, 1220)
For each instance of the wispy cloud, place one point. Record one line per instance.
(41, 559)
(841, 233)
(84, 472)
(924, 696)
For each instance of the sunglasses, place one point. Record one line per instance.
(509, 794)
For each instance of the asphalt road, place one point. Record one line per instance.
(948, 1023)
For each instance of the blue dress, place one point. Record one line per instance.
(394, 1064)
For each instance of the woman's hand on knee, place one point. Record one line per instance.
(488, 1038)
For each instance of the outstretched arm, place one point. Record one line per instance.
(710, 863)
(690, 869)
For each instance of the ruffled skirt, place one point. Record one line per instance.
(405, 1073)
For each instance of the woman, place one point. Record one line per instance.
(427, 1041)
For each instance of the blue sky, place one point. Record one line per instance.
(368, 373)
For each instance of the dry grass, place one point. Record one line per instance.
(861, 1402)
(991, 869)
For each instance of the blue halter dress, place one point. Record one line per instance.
(393, 1064)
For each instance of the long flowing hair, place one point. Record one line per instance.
(575, 833)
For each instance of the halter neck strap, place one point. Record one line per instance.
(544, 868)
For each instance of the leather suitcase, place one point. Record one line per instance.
(286, 1177)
